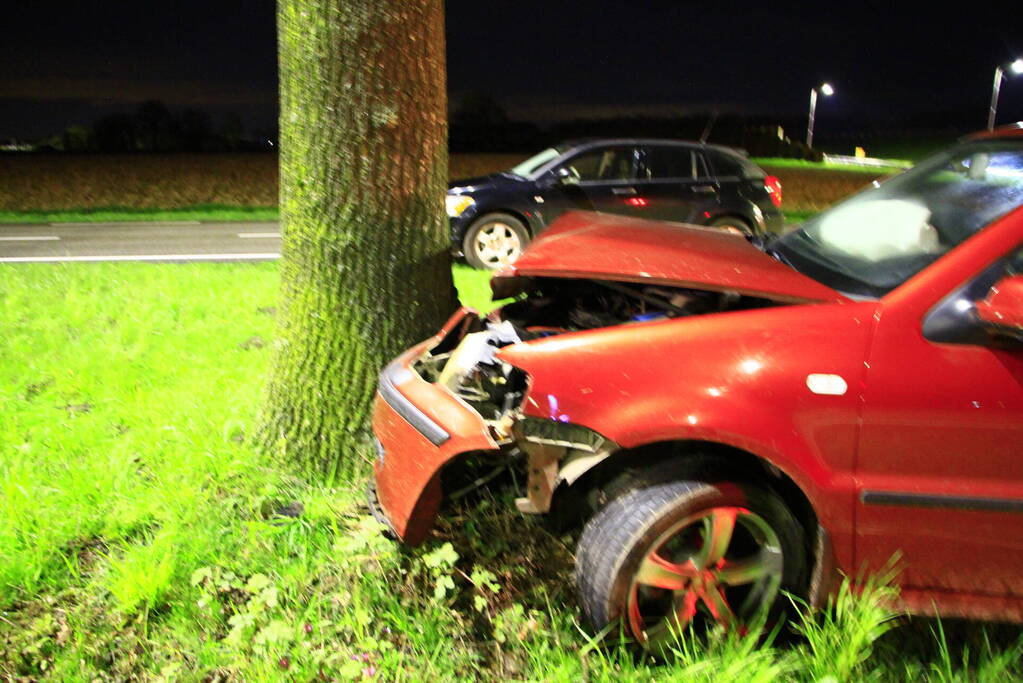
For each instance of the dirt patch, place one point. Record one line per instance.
(53, 182)
(816, 189)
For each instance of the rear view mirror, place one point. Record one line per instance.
(1001, 312)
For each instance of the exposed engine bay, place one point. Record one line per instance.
(465, 362)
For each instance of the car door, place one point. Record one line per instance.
(940, 462)
(676, 185)
(604, 179)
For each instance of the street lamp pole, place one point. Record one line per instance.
(1016, 68)
(826, 89)
(994, 98)
(809, 121)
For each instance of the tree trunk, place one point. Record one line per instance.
(365, 268)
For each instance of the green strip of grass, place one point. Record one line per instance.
(782, 162)
(797, 217)
(200, 212)
(143, 538)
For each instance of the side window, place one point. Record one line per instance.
(725, 166)
(611, 163)
(700, 166)
(952, 320)
(670, 162)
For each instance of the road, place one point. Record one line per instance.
(148, 241)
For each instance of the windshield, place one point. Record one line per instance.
(876, 240)
(533, 163)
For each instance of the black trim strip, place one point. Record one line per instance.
(923, 500)
(404, 407)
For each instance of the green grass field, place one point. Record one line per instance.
(195, 213)
(782, 162)
(200, 212)
(143, 538)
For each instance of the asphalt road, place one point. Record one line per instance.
(149, 241)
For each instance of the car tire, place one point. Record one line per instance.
(643, 558)
(494, 240)
(734, 224)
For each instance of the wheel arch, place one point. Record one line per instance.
(706, 458)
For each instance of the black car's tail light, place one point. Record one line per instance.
(773, 187)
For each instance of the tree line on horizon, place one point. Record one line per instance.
(154, 127)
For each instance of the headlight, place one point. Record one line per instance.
(456, 204)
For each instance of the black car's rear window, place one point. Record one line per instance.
(733, 165)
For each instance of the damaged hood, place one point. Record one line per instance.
(597, 246)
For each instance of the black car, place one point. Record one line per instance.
(493, 217)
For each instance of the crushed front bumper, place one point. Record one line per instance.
(420, 428)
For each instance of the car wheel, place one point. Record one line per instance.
(733, 224)
(495, 240)
(683, 554)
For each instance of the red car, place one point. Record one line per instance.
(731, 422)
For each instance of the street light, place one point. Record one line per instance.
(826, 90)
(1015, 68)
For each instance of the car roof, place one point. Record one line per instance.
(576, 143)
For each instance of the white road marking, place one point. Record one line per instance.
(258, 235)
(132, 224)
(143, 257)
(29, 238)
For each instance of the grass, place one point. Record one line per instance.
(201, 212)
(142, 538)
(207, 213)
(800, 164)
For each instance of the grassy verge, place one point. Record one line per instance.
(142, 538)
(196, 213)
(202, 212)
(800, 164)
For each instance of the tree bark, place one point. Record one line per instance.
(365, 268)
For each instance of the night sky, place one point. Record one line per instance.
(890, 63)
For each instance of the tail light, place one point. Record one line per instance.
(773, 187)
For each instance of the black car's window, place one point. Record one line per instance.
(726, 166)
(609, 163)
(700, 163)
(670, 162)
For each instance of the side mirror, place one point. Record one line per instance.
(564, 176)
(1001, 312)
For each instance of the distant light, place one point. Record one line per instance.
(270, 142)
(1016, 67)
(826, 89)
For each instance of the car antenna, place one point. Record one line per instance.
(710, 126)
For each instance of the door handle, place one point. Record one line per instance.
(623, 190)
(705, 189)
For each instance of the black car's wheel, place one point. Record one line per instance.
(494, 240)
(734, 224)
(678, 554)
